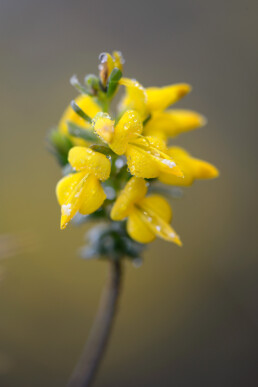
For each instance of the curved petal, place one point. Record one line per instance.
(170, 123)
(191, 167)
(140, 163)
(157, 204)
(159, 98)
(87, 104)
(118, 60)
(135, 97)
(92, 196)
(104, 126)
(68, 191)
(82, 158)
(134, 191)
(146, 158)
(127, 128)
(156, 223)
(138, 229)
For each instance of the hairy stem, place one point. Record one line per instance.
(93, 352)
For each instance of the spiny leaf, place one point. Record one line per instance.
(80, 112)
(82, 89)
(84, 133)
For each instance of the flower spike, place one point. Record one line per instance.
(113, 161)
(109, 157)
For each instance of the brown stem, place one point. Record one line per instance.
(94, 349)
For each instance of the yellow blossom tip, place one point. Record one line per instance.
(178, 241)
(184, 89)
(212, 172)
(104, 127)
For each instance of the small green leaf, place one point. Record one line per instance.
(113, 80)
(105, 150)
(80, 112)
(92, 82)
(84, 133)
(82, 89)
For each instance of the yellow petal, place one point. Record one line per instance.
(104, 127)
(135, 97)
(106, 66)
(138, 229)
(204, 170)
(192, 169)
(146, 158)
(68, 191)
(92, 197)
(128, 127)
(87, 104)
(157, 204)
(82, 158)
(159, 98)
(153, 214)
(134, 191)
(170, 123)
(118, 60)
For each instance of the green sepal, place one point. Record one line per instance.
(82, 89)
(92, 82)
(113, 80)
(111, 241)
(84, 133)
(80, 112)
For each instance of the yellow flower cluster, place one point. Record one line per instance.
(137, 137)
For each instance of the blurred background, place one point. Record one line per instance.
(188, 317)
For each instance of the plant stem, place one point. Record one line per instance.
(93, 352)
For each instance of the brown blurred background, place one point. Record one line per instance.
(188, 317)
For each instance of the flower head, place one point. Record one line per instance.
(148, 217)
(146, 156)
(82, 191)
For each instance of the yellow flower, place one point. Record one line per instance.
(191, 167)
(89, 106)
(146, 156)
(108, 63)
(82, 191)
(148, 217)
(153, 101)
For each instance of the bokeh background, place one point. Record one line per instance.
(188, 317)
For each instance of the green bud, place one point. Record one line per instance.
(92, 83)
